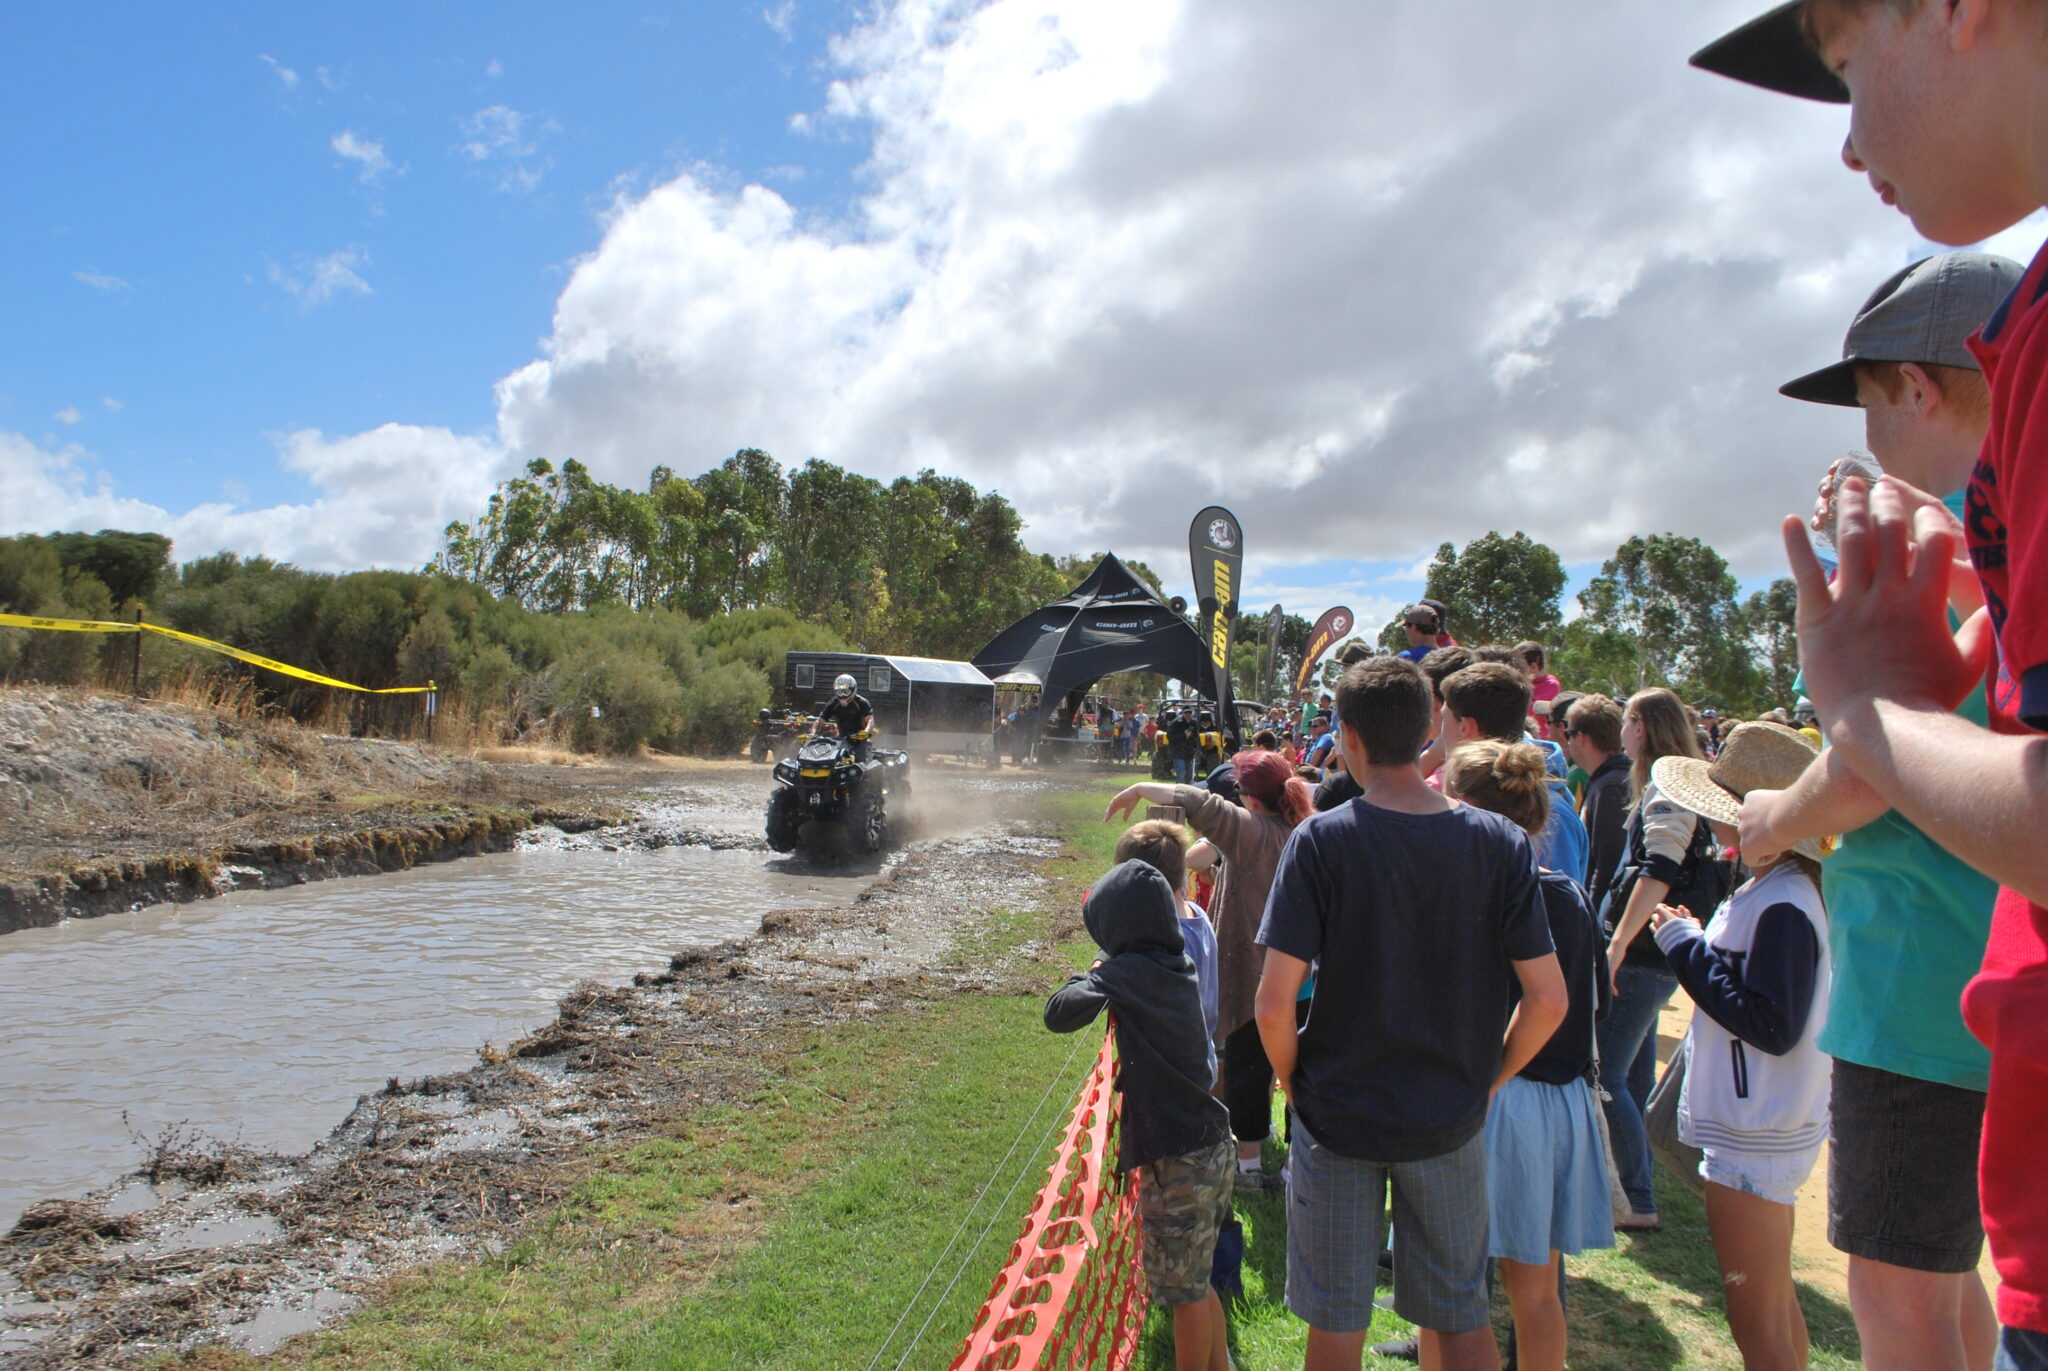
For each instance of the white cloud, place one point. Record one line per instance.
(100, 281)
(782, 18)
(382, 498)
(285, 74)
(67, 415)
(1371, 285)
(494, 68)
(366, 153)
(506, 143)
(111, 403)
(317, 281)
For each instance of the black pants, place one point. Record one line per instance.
(1248, 1079)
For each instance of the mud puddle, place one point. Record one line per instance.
(260, 1017)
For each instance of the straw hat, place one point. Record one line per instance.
(1758, 756)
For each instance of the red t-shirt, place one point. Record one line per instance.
(1541, 688)
(2006, 1005)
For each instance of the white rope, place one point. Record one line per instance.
(967, 1218)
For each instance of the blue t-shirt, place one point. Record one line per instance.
(1413, 921)
(1907, 924)
(1198, 940)
(1417, 653)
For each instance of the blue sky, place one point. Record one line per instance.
(176, 190)
(308, 282)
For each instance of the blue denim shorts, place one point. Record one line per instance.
(2021, 1350)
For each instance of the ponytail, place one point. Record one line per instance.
(1266, 777)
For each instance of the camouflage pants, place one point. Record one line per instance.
(1182, 1202)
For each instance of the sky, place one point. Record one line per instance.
(308, 282)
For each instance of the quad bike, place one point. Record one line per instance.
(777, 734)
(826, 787)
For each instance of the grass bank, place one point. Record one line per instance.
(853, 1210)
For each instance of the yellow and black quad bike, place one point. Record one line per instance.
(776, 734)
(826, 791)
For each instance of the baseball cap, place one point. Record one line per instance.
(1924, 313)
(1423, 616)
(1772, 51)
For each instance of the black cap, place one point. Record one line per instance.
(1772, 51)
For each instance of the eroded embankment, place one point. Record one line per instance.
(216, 1243)
(109, 804)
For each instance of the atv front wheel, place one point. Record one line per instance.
(870, 824)
(785, 820)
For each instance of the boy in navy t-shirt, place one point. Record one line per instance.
(1421, 914)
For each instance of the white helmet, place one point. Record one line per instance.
(842, 685)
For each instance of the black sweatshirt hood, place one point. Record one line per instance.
(1132, 910)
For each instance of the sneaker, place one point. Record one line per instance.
(1401, 1349)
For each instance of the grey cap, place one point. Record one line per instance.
(1772, 51)
(1924, 313)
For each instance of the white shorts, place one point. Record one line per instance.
(1773, 1176)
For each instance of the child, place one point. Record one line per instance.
(1755, 1100)
(1546, 1167)
(1419, 914)
(1174, 1133)
(1163, 847)
(1945, 120)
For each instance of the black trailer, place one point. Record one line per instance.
(922, 704)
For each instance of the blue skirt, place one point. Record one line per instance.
(1546, 1172)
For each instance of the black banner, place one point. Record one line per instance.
(1216, 548)
(1266, 681)
(1334, 624)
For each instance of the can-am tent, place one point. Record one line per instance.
(1111, 622)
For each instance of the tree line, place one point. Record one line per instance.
(924, 564)
(1662, 612)
(580, 612)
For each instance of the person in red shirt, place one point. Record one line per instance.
(1947, 120)
(1542, 685)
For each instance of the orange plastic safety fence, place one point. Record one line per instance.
(1072, 1294)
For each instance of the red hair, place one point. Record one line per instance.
(1268, 778)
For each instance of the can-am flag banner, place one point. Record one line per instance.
(1216, 548)
(1334, 624)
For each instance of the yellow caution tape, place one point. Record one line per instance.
(282, 668)
(65, 625)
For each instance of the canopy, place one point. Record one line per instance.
(1111, 622)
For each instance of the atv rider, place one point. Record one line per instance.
(851, 712)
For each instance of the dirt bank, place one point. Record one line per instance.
(108, 803)
(212, 1243)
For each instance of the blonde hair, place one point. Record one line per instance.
(1158, 844)
(1667, 732)
(1508, 779)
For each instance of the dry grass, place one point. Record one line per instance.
(534, 756)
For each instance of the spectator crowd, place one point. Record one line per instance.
(1441, 908)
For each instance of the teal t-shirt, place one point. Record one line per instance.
(1907, 924)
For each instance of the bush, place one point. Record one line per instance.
(719, 713)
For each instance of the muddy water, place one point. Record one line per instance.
(261, 1016)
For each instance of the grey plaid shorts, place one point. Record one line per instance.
(1336, 1219)
(1182, 1203)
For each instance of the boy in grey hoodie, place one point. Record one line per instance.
(1174, 1134)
